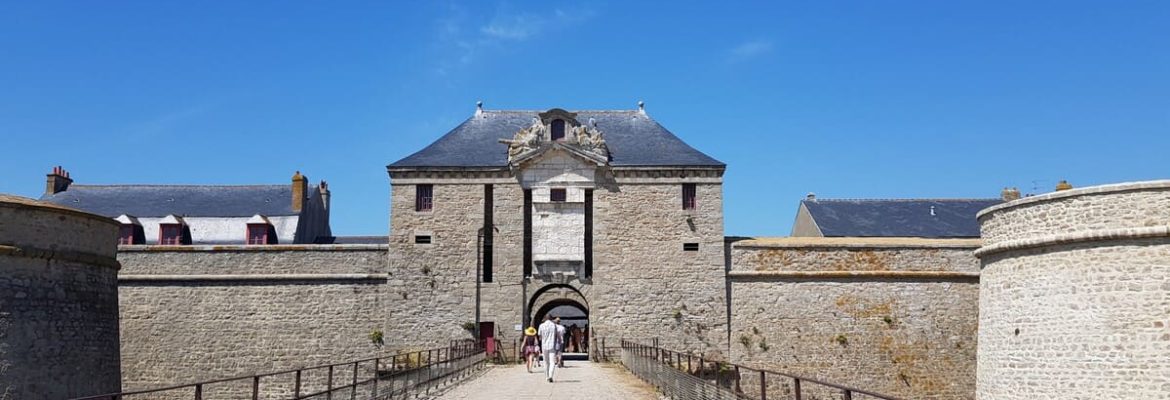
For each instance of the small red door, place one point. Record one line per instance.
(487, 334)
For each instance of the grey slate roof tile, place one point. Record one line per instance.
(898, 217)
(182, 200)
(634, 139)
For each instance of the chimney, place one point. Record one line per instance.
(325, 195)
(1063, 185)
(811, 196)
(1010, 194)
(58, 181)
(300, 185)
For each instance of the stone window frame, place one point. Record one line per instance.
(690, 197)
(424, 197)
(428, 234)
(558, 195)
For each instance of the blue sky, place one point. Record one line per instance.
(867, 99)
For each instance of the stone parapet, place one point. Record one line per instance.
(58, 302)
(1106, 207)
(1074, 295)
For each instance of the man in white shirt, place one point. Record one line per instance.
(550, 341)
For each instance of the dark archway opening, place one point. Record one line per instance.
(575, 318)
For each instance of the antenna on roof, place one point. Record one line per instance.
(642, 107)
(479, 107)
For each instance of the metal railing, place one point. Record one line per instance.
(685, 376)
(372, 378)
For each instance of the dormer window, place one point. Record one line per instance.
(260, 231)
(130, 232)
(172, 231)
(170, 234)
(558, 130)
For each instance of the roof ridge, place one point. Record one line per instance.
(575, 111)
(907, 199)
(144, 185)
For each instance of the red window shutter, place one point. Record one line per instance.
(689, 200)
(126, 234)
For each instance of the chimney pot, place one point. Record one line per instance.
(58, 181)
(1063, 185)
(811, 196)
(1010, 194)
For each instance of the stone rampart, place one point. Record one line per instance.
(191, 313)
(1075, 295)
(58, 302)
(892, 315)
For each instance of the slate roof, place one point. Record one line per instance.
(633, 138)
(183, 200)
(898, 217)
(352, 240)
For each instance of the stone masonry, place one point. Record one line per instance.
(643, 285)
(893, 315)
(191, 313)
(58, 302)
(1074, 297)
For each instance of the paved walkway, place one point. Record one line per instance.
(578, 380)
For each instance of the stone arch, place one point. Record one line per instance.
(558, 294)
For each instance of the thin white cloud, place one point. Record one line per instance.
(750, 49)
(459, 46)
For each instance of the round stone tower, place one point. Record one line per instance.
(1074, 298)
(58, 302)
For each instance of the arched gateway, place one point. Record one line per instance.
(604, 218)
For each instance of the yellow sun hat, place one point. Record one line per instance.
(530, 331)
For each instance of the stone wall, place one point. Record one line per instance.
(1075, 299)
(58, 302)
(644, 285)
(191, 313)
(896, 316)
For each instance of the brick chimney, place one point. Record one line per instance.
(300, 185)
(58, 181)
(1063, 185)
(1009, 194)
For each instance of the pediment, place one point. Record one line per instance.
(582, 140)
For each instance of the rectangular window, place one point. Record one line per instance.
(689, 201)
(170, 234)
(422, 239)
(257, 234)
(424, 197)
(557, 195)
(690, 247)
(126, 234)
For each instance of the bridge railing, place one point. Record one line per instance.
(371, 378)
(685, 376)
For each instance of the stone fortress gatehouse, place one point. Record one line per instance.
(605, 212)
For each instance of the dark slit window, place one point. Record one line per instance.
(690, 247)
(558, 129)
(422, 239)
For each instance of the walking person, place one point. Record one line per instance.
(562, 333)
(531, 346)
(550, 340)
